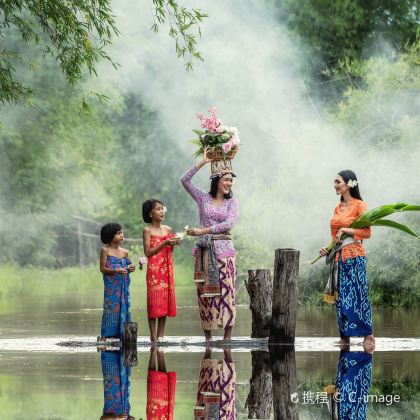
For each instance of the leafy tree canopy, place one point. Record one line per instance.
(345, 30)
(76, 33)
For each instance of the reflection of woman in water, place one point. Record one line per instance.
(116, 386)
(160, 388)
(348, 398)
(216, 388)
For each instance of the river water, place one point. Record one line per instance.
(40, 380)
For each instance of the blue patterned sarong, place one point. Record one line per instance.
(354, 312)
(354, 375)
(116, 299)
(116, 383)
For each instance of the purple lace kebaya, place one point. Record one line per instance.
(219, 219)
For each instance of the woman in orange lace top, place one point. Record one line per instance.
(352, 300)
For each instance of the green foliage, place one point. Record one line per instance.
(181, 20)
(147, 172)
(343, 30)
(74, 32)
(337, 34)
(380, 114)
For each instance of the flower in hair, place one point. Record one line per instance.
(352, 183)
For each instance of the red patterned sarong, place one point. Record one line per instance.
(160, 281)
(160, 395)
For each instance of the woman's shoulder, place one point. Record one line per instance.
(147, 229)
(360, 203)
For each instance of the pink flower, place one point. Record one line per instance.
(227, 146)
(143, 260)
(234, 140)
(211, 123)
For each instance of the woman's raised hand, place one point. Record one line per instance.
(206, 158)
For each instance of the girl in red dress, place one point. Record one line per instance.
(158, 243)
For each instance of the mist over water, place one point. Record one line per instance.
(289, 152)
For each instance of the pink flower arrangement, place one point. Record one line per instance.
(227, 146)
(215, 134)
(212, 123)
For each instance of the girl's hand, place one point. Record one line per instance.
(172, 241)
(122, 271)
(195, 231)
(131, 268)
(323, 252)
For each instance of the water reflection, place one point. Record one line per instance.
(116, 386)
(160, 388)
(216, 387)
(348, 398)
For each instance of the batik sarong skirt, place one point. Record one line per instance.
(220, 311)
(216, 389)
(353, 307)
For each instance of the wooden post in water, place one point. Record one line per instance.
(260, 290)
(129, 344)
(285, 297)
(283, 370)
(260, 397)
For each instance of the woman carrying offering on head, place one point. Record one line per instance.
(214, 254)
(347, 286)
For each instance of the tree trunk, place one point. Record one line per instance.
(285, 296)
(260, 397)
(260, 290)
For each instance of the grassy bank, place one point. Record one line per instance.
(18, 283)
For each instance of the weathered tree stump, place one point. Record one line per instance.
(260, 290)
(283, 370)
(129, 356)
(285, 297)
(260, 397)
(129, 344)
(130, 333)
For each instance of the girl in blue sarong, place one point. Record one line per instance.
(115, 266)
(116, 386)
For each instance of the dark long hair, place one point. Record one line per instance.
(348, 175)
(214, 185)
(147, 207)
